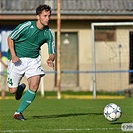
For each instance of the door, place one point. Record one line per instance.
(69, 59)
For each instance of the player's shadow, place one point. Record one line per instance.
(119, 122)
(64, 115)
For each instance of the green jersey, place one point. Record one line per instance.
(28, 40)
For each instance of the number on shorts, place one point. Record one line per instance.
(10, 81)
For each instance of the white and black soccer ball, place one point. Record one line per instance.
(112, 112)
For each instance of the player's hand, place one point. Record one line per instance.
(15, 59)
(50, 63)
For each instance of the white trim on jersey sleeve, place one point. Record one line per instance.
(16, 32)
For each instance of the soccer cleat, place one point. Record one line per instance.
(19, 92)
(19, 116)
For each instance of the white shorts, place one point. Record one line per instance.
(26, 66)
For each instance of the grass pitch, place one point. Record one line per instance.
(63, 116)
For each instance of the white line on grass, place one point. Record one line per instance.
(13, 131)
(77, 129)
(56, 130)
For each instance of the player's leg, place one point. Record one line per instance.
(18, 90)
(28, 97)
(33, 75)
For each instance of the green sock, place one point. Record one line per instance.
(27, 100)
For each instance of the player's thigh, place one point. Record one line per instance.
(34, 82)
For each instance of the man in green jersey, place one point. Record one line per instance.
(24, 54)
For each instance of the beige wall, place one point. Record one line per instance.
(85, 54)
(106, 60)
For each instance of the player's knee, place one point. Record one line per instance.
(34, 88)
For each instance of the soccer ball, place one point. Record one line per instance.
(112, 112)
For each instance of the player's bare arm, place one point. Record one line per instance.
(11, 47)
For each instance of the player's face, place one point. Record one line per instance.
(44, 18)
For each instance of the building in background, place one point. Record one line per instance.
(76, 39)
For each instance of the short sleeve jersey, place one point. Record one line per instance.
(28, 40)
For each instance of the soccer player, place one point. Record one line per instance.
(24, 54)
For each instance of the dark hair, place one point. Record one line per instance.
(40, 8)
